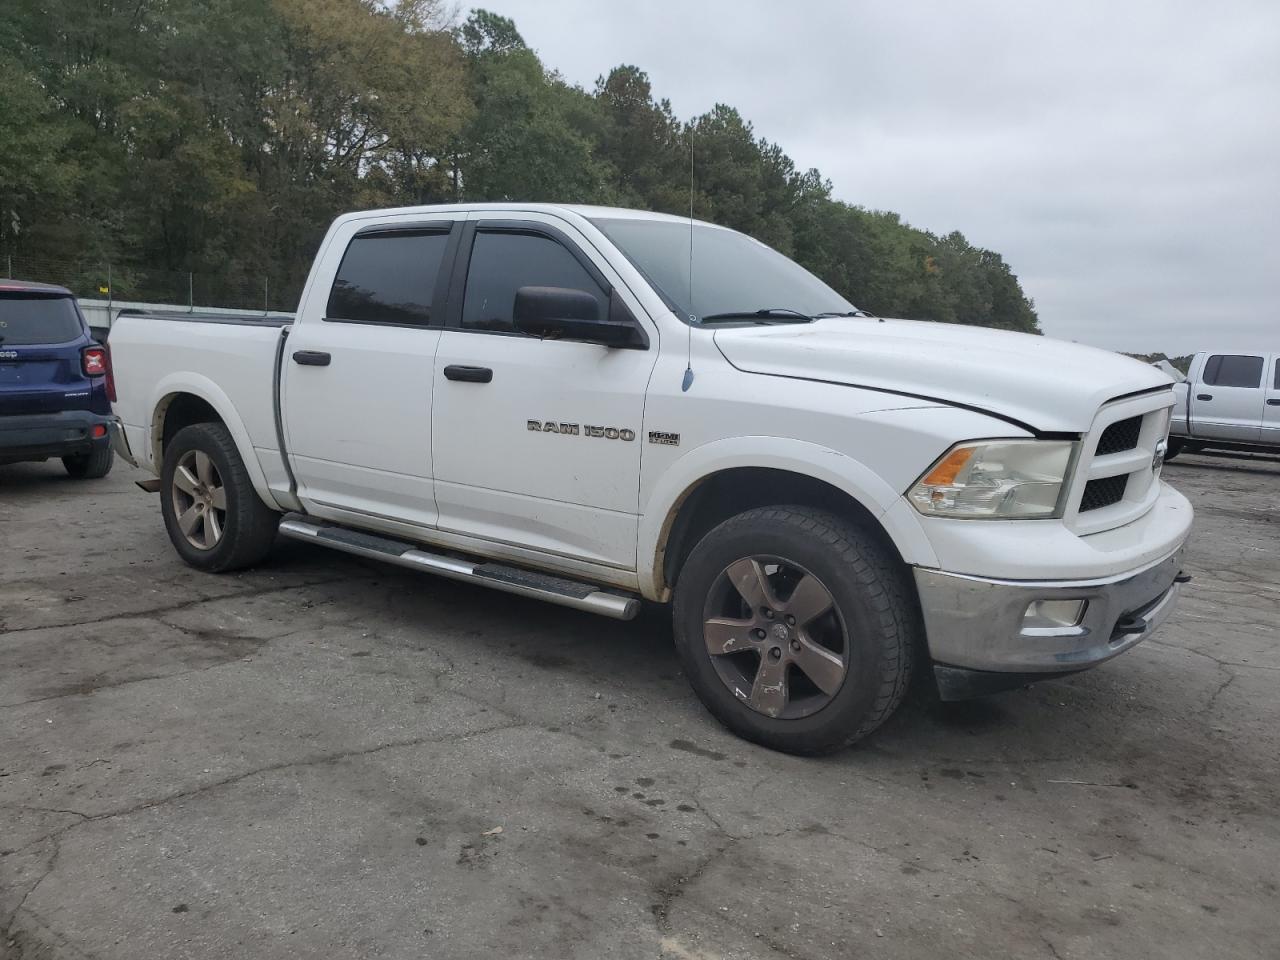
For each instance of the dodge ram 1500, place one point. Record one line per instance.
(594, 406)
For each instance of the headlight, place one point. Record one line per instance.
(996, 480)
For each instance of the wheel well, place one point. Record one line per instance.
(176, 411)
(730, 492)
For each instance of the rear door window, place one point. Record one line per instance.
(502, 263)
(27, 319)
(1228, 370)
(388, 277)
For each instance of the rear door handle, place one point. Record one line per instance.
(311, 358)
(468, 374)
(1204, 396)
(1273, 401)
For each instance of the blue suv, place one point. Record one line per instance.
(56, 387)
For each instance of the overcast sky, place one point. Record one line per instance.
(1123, 157)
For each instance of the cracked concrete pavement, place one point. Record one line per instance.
(312, 759)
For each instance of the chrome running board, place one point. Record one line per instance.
(524, 583)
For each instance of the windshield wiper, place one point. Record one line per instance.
(767, 315)
(850, 313)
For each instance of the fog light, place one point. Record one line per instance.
(1054, 613)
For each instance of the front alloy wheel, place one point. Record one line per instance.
(775, 637)
(796, 627)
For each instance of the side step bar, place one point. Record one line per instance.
(524, 583)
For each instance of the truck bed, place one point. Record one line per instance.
(232, 358)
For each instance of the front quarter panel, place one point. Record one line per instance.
(871, 445)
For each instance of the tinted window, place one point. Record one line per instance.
(731, 271)
(502, 263)
(388, 278)
(28, 319)
(1232, 371)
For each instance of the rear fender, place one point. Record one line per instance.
(208, 391)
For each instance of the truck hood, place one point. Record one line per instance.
(1049, 385)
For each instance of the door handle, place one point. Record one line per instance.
(1273, 401)
(311, 358)
(1204, 396)
(468, 374)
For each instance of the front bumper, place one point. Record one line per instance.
(38, 436)
(978, 641)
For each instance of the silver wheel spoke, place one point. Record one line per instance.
(218, 495)
(728, 636)
(749, 578)
(769, 692)
(185, 480)
(204, 468)
(212, 529)
(809, 600)
(820, 665)
(188, 519)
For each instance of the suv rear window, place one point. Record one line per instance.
(26, 319)
(1233, 371)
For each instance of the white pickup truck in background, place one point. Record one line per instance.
(1229, 401)
(541, 399)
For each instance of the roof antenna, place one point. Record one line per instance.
(688, 365)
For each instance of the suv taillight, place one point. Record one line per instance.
(95, 361)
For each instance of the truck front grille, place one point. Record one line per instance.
(1117, 474)
(1120, 436)
(1104, 492)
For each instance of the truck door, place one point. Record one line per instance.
(537, 442)
(356, 383)
(1227, 402)
(1271, 411)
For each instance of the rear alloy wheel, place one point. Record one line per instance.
(796, 627)
(199, 499)
(215, 518)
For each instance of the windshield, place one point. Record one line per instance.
(732, 273)
(31, 318)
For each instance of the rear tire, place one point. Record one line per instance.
(93, 465)
(870, 623)
(215, 519)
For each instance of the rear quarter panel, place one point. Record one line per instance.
(228, 365)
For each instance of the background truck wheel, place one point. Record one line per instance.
(1174, 448)
(90, 466)
(215, 518)
(796, 627)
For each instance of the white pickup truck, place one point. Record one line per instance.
(593, 406)
(1229, 401)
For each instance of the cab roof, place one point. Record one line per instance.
(31, 286)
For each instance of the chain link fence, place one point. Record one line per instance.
(100, 280)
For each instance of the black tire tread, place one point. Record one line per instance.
(93, 465)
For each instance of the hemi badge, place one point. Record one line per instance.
(667, 439)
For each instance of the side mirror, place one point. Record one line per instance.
(565, 314)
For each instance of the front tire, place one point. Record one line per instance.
(797, 628)
(93, 465)
(215, 519)
(1175, 446)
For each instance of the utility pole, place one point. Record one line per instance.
(191, 292)
(265, 298)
